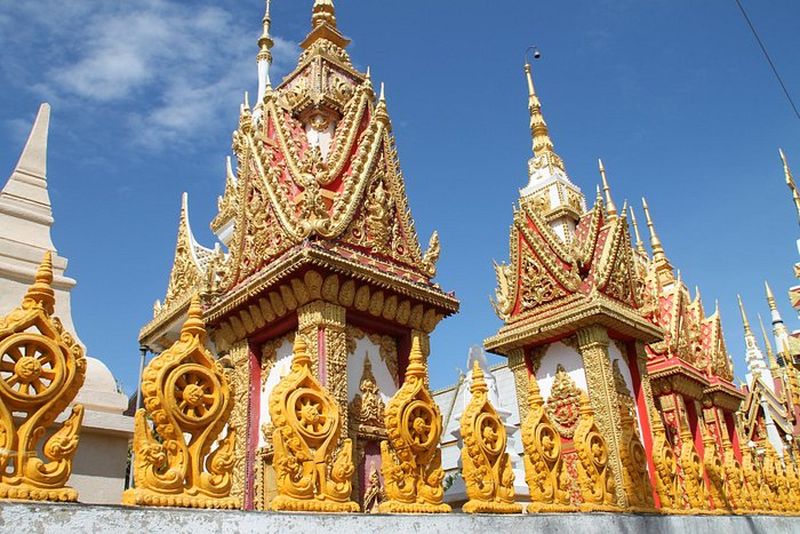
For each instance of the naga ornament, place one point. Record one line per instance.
(411, 461)
(187, 397)
(666, 468)
(311, 475)
(693, 477)
(543, 461)
(594, 474)
(42, 367)
(486, 469)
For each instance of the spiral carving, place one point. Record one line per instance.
(411, 460)
(187, 397)
(42, 367)
(486, 467)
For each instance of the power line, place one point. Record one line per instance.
(769, 59)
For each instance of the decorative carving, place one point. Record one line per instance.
(693, 483)
(42, 367)
(239, 375)
(634, 458)
(537, 286)
(186, 394)
(307, 427)
(563, 406)
(411, 461)
(542, 458)
(367, 407)
(715, 473)
(596, 482)
(486, 467)
(666, 468)
(374, 494)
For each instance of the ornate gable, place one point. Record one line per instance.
(317, 161)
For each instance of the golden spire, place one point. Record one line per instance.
(639, 244)
(300, 356)
(478, 381)
(265, 42)
(610, 206)
(770, 297)
(790, 182)
(41, 292)
(542, 144)
(745, 322)
(655, 242)
(773, 362)
(323, 12)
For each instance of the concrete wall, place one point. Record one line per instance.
(60, 519)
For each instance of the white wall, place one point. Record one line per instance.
(559, 353)
(281, 368)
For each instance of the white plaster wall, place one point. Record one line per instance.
(281, 368)
(559, 353)
(355, 368)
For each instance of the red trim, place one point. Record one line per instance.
(253, 416)
(733, 435)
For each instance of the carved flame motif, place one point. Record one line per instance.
(666, 468)
(41, 369)
(411, 460)
(311, 476)
(734, 478)
(632, 453)
(693, 482)
(594, 475)
(715, 473)
(543, 462)
(486, 468)
(187, 396)
(753, 478)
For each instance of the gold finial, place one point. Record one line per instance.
(416, 360)
(790, 182)
(194, 324)
(300, 352)
(265, 42)
(534, 393)
(382, 97)
(610, 206)
(41, 291)
(773, 362)
(770, 297)
(655, 242)
(745, 322)
(539, 132)
(323, 12)
(478, 381)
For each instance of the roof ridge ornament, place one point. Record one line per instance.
(611, 208)
(787, 172)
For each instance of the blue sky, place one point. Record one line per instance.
(673, 95)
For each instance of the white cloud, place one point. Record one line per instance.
(173, 66)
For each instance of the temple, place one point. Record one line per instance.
(290, 369)
(316, 239)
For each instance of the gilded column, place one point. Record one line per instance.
(239, 377)
(323, 326)
(593, 345)
(516, 362)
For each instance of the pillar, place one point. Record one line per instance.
(519, 370)
(239, 355)
(322, 324)
(593, 346)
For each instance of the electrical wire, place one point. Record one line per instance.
(769, 59)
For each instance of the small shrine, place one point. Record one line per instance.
(317, 241)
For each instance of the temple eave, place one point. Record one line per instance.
(603, 311)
